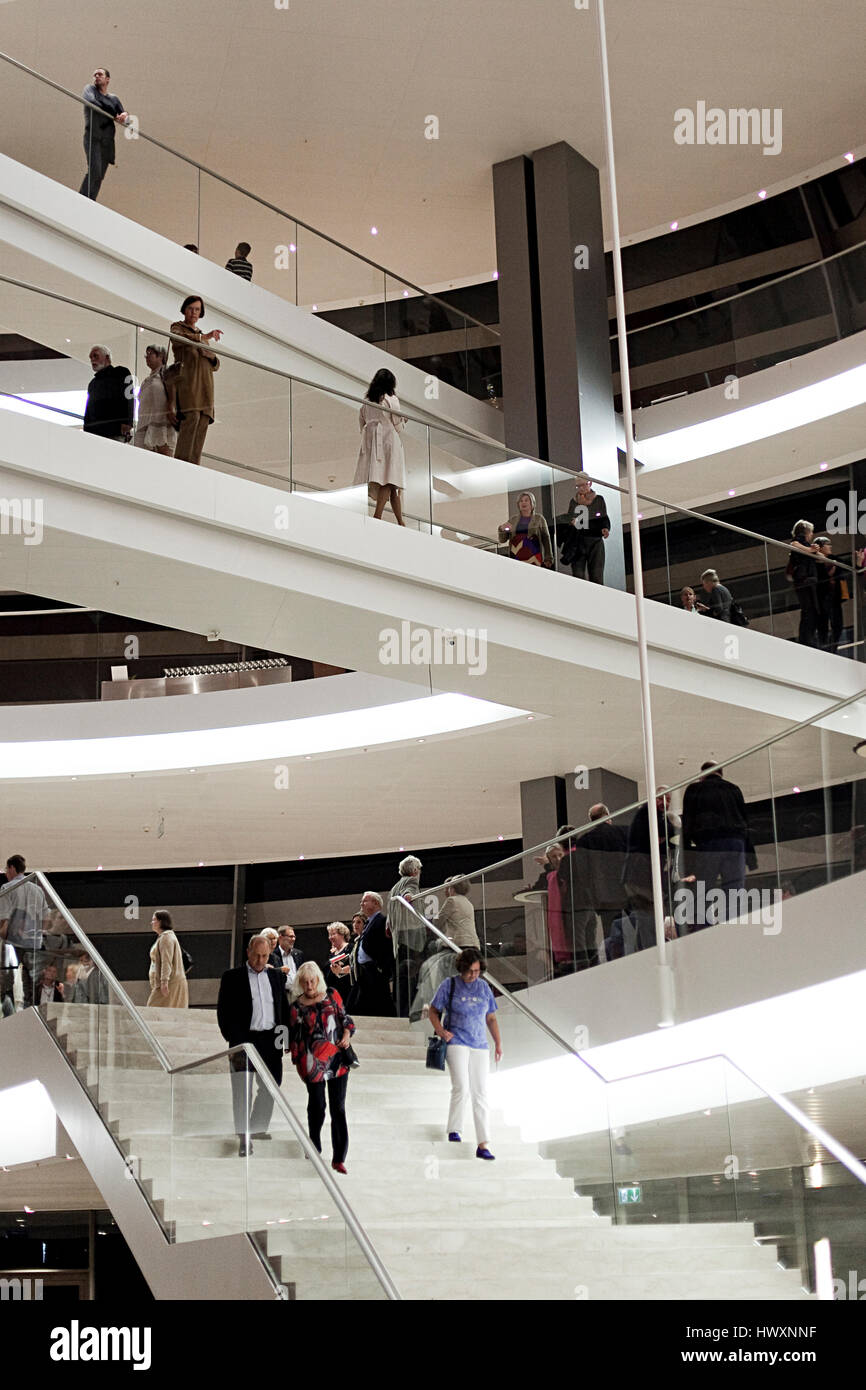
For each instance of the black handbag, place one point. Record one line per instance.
(437, 1047)
(350, 1056)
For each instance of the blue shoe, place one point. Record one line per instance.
(484, 1153)
(454, 1137)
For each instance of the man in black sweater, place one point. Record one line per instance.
(716, 841)
(99, 131)
(583, 532)
(109, 409)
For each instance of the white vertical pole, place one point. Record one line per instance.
(666, 1000)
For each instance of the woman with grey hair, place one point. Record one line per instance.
(718, 598)
(156, 429)
(408, 935)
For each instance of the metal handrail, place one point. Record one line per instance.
(456, 432)
(238, 188)
(741, 294)
(674, 787)
(311, 1152)
(264, 1076)
(839, 1151)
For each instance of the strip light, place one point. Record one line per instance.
(248, 743)
(753, 422)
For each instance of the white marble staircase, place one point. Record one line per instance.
(446, 1225)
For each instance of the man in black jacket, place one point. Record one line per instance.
(583, 532)
(371, 995)
(109, 409)
(716, 843)
(252, 1008)
(287, 957)
(99, 131)
(637, 870)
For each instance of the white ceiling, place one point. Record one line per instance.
(321, 108)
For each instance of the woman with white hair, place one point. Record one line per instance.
(526, 534)
(156, 429)
(320, 1031)
(408, 935)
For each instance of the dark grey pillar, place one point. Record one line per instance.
(543, 809)
(581, 426)
(602, 785)
(516, 260)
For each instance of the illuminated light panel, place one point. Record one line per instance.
(73, 401)
(430, 717)
(753, 422)
(28, 1125)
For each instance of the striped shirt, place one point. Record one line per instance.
(239, 265)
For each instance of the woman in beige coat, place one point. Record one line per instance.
(190, 379)
(168, 987)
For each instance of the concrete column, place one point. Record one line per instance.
(572, 287)
(601, 785)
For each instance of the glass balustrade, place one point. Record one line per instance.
(43, 127)
(276, 429)
(179, 1123)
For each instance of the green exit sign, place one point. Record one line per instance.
(628, 1195)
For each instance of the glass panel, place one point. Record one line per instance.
(229, 217)
(225, 1178)
(331, 280)
(756, 329)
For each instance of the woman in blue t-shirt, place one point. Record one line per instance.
(470, 1009)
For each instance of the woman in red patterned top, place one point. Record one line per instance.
(319, 1032)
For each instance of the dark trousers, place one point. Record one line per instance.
(720, 863)
(588, 562)
(371, 997)
(98, 157)
(254, 1115)
(810, 618)
(337, 1107)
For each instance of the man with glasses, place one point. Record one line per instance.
(99, 131)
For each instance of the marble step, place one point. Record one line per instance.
(476, 1204)
(375, 1149)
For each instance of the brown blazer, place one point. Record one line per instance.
(193, 384)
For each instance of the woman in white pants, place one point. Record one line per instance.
(468, 1002)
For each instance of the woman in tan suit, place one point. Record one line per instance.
(191, 379)
(168, 987)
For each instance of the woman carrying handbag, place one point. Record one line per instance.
(471, 1011)
(320, 1034)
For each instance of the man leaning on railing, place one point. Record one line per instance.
(99, 131)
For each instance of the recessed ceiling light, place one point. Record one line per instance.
(422, 740)
(732, 492)
(300, 856)
(405, 294)
(292, 246)
(98, 868)
(850, 158)
(795, 789)
(29, 1210)
(674, 226)
(315, 308)
(500, 837)
(762, 193)
(496, 275)
(822, 467)
(374, 231)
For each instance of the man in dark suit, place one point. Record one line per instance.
(371, 995)
(287, 957)
(252, 1008)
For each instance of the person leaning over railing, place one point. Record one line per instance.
(802, 572)
(99, 131)
(470, 1010)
